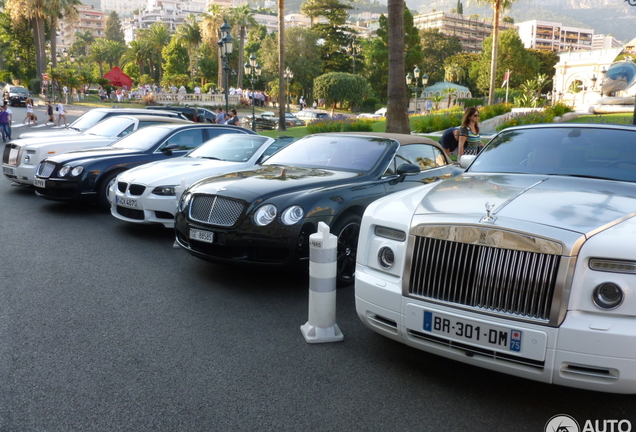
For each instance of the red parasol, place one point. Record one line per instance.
(118, 79)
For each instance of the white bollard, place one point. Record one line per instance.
(321, 325)
(178, 191)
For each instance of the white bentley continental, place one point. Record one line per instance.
(524, 264)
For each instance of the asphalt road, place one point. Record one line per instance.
(105, 326)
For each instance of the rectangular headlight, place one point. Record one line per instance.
(390, 233)
(613, 266)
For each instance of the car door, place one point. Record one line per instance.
(431, 160)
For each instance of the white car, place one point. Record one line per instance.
(524, 264)
(22, 157)
(94, 116)
(148, 194)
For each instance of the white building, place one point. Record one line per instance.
(605, 42)
(554, 36)
(124, 8)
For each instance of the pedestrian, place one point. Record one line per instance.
(315, 104)
(65, 91)
(30, 115)
(449, 140)
(49, 113)
(220, 116)
(7, 109)
(61, 114)
(469, 141)
(4, 124)
(233, 120)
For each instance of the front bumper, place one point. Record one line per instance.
(145, 209)
(23, 174)
(246, 243)
(586, 351)
(64, 190)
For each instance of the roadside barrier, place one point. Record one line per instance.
(321, 325)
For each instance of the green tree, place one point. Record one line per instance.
(157, 37)
(137, 53)
(340, 87)
(188, 34)
(436, 48)
(99, 54)
(546, 59)
(175, 57)
(113, 29)
(82, 43)
(512, 55)
(497, 6)
(243, 18)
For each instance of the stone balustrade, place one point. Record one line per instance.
(197, 99)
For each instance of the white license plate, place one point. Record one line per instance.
(127, 202)
(475, 332)
(204, 236)
(8, 170)
(39, 183)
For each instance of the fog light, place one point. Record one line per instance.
(608, 296)
(386, 258)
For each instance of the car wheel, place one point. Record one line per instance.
(347, 230)
(102, 190)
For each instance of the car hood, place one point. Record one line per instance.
(271, 180)
(580, 205)
(101, 152)
(172, 171)
(48, 134)
(94, 140)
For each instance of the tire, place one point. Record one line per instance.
(102, 190)
(347, 229)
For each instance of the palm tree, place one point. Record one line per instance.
(136, 53)
(84, 39)
(450, 92)
(99, 54)
(210, 32)
(114, 51)
(454, 73)
(497, 6)
(242, 17)
(158, 36)
(188, 35)
(397, 119)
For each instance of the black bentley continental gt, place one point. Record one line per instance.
(265, 215)
(86, 175)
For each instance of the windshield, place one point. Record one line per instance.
(142, 139)
(569, 151)
(333, 152)
(19, 90)
(229, 147)
(110, 127)
(88, 120)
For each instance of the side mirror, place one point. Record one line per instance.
(466, 160)
(406, 170)
(167, 150)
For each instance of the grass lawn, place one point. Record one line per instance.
(620, 118)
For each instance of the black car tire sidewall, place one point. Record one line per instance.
(346, 222)
(102, 190)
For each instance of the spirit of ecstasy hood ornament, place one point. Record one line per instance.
(489, 218)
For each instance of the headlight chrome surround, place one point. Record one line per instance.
(265, 214)
(165, 191)
(608, 296)
(292, 215)
(64, 171)
(77, 171)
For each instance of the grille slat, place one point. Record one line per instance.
(46, 169)
(495, 280)
(216, 210)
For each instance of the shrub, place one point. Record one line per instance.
(561, 108)
(149, 99)
(35, 85)
(444, 119)
(346, 125)
(368, 105)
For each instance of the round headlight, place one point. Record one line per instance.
(64, 170)
(77, 171)
(265, 215)
(184, 201)
(386, 258)
(292, 214)
(608, 296)
(164, 190)
(27, 159)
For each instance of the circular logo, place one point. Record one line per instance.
(562, 423)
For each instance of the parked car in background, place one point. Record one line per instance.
(94, 116)
(15, 95)
(290, 119)
(265, 215)
(21, 158)
(196, 114)
(86, 175)
(524, 264)
(376, 115)
(263, 121)
(148, 194)
(311, 115)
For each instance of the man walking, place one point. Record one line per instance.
(220, 116)
(4, 124)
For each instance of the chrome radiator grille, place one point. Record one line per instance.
(215, 210)
(13, 158)
(506, 282)
(46, 169)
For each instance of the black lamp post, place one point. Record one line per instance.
(353, 50)
(413, 79)
(253, 70)
(226, 45)
(289, 75)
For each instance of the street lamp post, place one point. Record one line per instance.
(289, 75)
(226, 45)
(253, 70)
(413, 79)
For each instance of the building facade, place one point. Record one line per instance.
(87, 19)
(554, 36)
(605, 42)
(470, 31)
